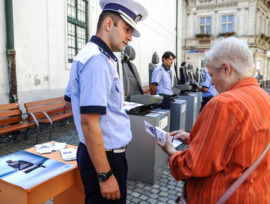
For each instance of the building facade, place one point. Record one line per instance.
(210, 20)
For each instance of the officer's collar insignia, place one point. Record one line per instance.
(103, 47)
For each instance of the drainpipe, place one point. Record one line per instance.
(176, 44)
(11, 53)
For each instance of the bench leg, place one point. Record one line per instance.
(51, 128)
(37, 134)
(26, 133)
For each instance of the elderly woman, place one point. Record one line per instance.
(230, 133)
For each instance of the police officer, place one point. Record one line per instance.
(161, 82)
(208, 90)
(95, 91)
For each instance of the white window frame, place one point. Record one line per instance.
(205, 25)
(227, 23)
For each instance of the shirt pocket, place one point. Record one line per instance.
(116, 95)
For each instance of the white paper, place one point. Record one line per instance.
(49, 147)
(158, 133)
(68, 154)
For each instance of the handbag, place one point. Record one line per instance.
(228, 193)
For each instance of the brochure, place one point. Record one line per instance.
(27, 170)
(49, 147)
(158, 133)
(68, 154)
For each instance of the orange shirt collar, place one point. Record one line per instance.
(249, 81)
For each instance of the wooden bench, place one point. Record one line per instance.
(48, 111)
(11, 120)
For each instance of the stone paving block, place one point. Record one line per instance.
(164, 194)
(136, 200)
(173, 197)
(164, 189)
(154, 190)
(147, 188)
(156, 186)
(147, 193)
(135, 194)
(143, 197)
(143, 202)
(171, 186)
(152, 201)
(163, 199)
(173, 192)
(138, 190)
(154, 196)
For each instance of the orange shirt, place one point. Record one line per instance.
(230, 133)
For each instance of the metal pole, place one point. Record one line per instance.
(11, 53)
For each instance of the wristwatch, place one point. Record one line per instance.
(102, 177)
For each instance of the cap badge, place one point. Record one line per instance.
(138, 18)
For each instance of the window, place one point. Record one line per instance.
(227, 24)
(205, 25)
(203, 64)
(77, 29)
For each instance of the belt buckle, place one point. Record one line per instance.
(120, 150)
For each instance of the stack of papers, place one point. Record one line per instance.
(158, 133)
(130, 105)
(68, 154)
(49, 147)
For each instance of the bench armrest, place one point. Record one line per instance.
(47, 116)
(35, 119)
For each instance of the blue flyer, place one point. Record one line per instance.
(27, 170)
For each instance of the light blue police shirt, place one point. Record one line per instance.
(94, 87)
(207, 83)
(161, 76)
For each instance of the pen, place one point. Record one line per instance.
(172, 138)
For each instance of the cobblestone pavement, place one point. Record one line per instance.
(165, 190)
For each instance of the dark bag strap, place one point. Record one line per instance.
(228, 193)
(131, 69)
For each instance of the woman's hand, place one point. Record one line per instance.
(168, 146)
(180, 135)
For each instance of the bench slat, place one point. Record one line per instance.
(50, 113)
(16, 127)
(8, 113)
(9, 106)
(10, 120)
(46, 107)
(43, 102)
(57, 117)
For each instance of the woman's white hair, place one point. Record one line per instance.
(234, 52)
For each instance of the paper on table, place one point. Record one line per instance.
(68, 154)
(158, 133)
(49, 147)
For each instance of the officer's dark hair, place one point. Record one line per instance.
(167, 55)
(115, 17)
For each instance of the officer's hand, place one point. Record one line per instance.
(110, 189)
(180, 135)
(168, 146)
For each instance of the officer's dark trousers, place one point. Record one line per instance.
(205, 101)
(88, 173)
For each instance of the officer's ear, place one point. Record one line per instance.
(108, 24)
